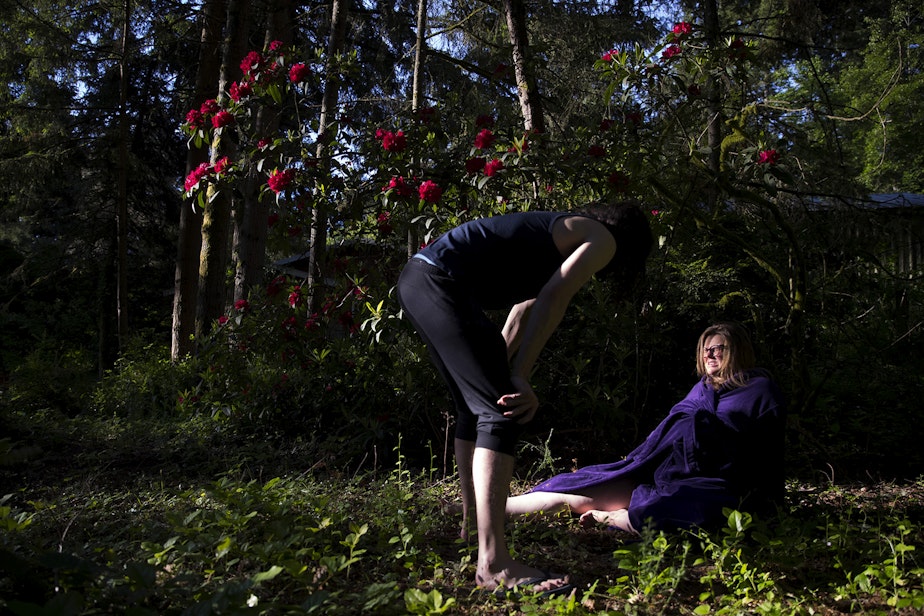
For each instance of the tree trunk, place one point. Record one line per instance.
(250, 218)
(318, 244)
(420, 53)
(186, 275)
(420, 58)
(216, 220)
(714, 128)
(122, 191)
(530, 101)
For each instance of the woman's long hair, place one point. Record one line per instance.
(737, 359)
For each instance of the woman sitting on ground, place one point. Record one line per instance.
(721, 446)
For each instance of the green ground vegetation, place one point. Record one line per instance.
(146, 516)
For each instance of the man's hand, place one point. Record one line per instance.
(523, 404)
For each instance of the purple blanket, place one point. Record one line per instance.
(714, 449)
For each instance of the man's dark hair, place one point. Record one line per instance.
(629, 226)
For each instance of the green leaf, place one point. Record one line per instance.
(267, 575)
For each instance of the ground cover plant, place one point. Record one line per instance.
(151, 517)
(299, 460)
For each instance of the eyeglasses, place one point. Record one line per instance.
(716, 350)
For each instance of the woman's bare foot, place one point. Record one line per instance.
(617, 519)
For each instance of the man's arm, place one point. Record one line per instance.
(589, 246)
(550, 305)
(513, 327)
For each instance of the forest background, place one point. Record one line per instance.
(205, 207)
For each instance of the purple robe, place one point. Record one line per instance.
(714, 449)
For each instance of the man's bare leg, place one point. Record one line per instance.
(492, 472)
(465, 450)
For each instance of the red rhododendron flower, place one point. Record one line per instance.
(299, 73)
(474, 165)
(426, 114)
(209, 107)
(682, 29)
(596, 150)
(195, 118)
(634, 117)
(275, 286)
(484, 139)
(400, 187)
(288, 327)
(251, 61)
(222, 118)
(295, 297)
(275, 45)
(221, 165)
(272, 219)
(222, 319)
(237, 91)
(619, 181)
(738, 49)
(262, 143)
(493, 166)
(242, 305)
(234, 92)
(280, 180)
(196, 175)
(430, 192)
(346, 320)
(484, 121)
(383, 221)
(394, 142)
(519, 147)
(768, 157)
(610, 55)
(671, 51)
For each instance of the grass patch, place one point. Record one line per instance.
(153, 517)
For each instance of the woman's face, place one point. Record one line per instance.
(713, 353)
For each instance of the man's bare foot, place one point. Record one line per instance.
(467, 532)
(525, 579)
(450, 508)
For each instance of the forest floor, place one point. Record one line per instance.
(100, 518)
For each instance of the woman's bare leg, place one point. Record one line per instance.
(544, 503)
(610, 496)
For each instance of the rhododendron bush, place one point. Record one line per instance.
(392, 186)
